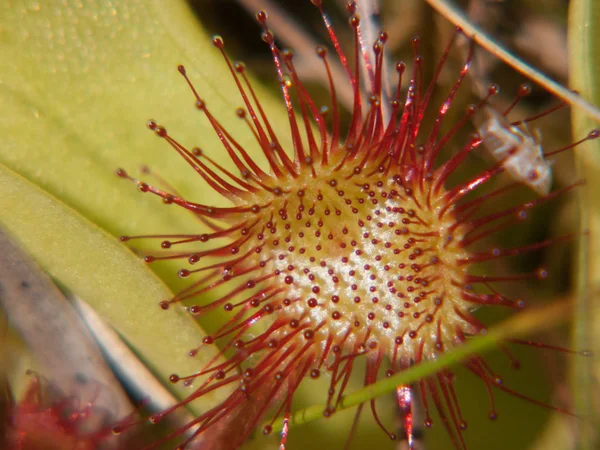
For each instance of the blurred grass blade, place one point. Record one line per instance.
(70, 358)
(584, 49)
(453, 13)
(139, 381)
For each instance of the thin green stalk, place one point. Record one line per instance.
(584, 48)
(526, 322)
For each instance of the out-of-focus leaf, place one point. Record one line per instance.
(78, 81)
(584, 47)
(95, 266)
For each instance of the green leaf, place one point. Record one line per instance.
(78, 81)
(95, 266)
(584, 49)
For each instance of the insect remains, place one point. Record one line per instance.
(517, 150)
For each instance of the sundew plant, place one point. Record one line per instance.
(334, 254)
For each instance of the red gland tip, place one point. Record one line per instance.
(181, 70)
(541, 273)
(261, 16)
(218, 41)
(155, 418)
(288, 54)
(268, 37)
(183, 273)
(240, 67)
(524, 90)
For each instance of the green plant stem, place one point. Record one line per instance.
(584, 45)
(526, 322)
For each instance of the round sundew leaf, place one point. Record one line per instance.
(95, 266)
(85, 78)
(584, 48)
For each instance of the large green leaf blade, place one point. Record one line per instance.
(78, 81)
(98, 268)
